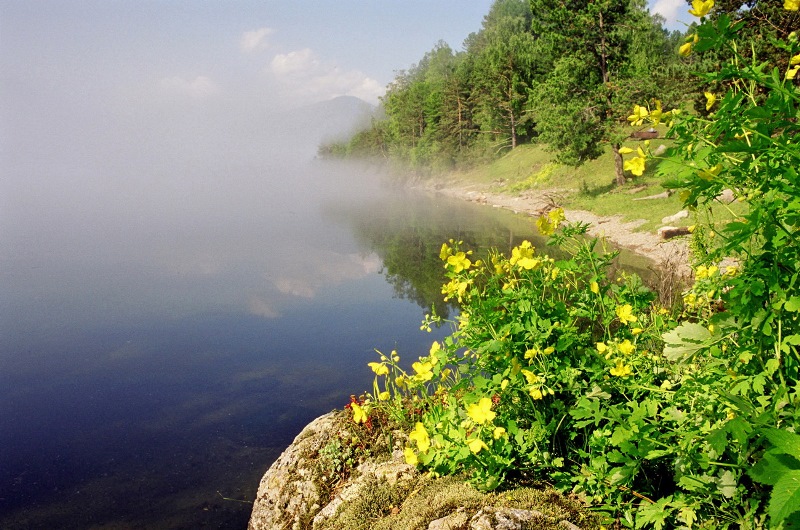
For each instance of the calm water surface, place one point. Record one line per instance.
(163, 341)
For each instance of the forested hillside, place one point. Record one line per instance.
(565, 73)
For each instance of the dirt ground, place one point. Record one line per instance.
(672, 253)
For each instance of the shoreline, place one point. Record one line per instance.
(664, 253)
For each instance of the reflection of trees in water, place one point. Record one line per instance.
(407, 231)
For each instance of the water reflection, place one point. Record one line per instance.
(160, 347)
(407, 232)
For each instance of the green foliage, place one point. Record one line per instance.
(780, 468)
(535, 69)
(558, 373)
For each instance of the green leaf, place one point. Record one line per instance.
(772, 466)
(654, 514)
(685, 341)
(621, 434)
(787, 442)
(727, 484)
(792, 304)
(694, 483)
(785, 498)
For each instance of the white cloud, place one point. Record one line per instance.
(198, 88)
(255, 40)
(671, 10)
(303, 75)
(301, 61)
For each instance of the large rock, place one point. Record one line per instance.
(329, 480)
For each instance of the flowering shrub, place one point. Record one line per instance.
(556, 372)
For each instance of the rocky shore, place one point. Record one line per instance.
(308, 488)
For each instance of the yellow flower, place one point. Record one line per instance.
(594, 287)
(709, 174)
(601, 347)
(476, 445)
(531, 377)
(383, 396)
(792, 73)
(794, 61)
(445, 252)
(424, 370)
(635, 166)
(411, 456)
(710, 100)
(435, 347)
(420, 436)
(549, 350)
(498, 433)
(685, 50)
(359, 413)
(625, 150)
(791, 5)
(459, 262)
(700, 8)
(621, 369)
(481, 412)
(638, 116)
(636, 331)
(625, 314)
(626, 347)
(535, 393)
(533, 352)
(455, 288)
(547, 224)
(379, 368)
(522, 256)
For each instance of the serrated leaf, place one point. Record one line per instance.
(772, 466)
(685, 340)
(786, 441)
(785, 498)
(655, 514)
(621, 434)
(687, 515)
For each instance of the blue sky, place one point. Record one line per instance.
(287, 52)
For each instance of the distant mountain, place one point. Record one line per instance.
(335, 119)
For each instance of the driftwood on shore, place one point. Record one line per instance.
(668, 232)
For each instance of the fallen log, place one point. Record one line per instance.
(668, 232)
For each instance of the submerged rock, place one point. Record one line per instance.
(328, 479)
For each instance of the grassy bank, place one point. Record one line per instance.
(587, 187)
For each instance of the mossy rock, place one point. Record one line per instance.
(321, 483)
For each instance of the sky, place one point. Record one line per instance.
(78, 77)
(295, 51)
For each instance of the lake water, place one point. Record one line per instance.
(163, 339)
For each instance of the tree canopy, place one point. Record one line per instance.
(552, 71)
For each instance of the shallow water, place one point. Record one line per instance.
(164, 339)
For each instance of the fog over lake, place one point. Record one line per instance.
(179, 300)
(183, 285)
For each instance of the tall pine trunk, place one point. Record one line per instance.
(618, 171)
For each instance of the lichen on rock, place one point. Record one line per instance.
(328, 479)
